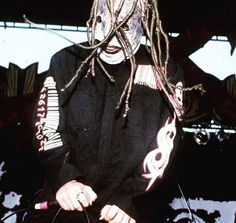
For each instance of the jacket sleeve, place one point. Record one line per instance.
(50, 138)
(158, 156)
(150, 172)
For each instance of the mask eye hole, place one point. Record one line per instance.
(98, 19)
(125, 27)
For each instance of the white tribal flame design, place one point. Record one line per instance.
(156, 161)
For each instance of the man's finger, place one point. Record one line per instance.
(118, 217)
(125, 219)
(65, 202)
(111, 213)
(83, 199)
(90, 194)
(131, 220)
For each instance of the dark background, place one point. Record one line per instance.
(176, 15)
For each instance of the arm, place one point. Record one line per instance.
(53, 145)
(150, 172)
(50, 142)
(156, 159)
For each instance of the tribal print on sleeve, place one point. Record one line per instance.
(47, 116)
(156, 161)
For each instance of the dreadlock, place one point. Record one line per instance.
(158, 51)
(154, 33)
(115, 29)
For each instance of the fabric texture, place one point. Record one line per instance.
(81, 135)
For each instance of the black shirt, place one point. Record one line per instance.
(81, 135)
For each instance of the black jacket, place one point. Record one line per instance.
(81, 135)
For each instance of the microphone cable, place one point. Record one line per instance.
(186, 203)
(54, 217)
(13, 213)
(59, 210)
(45, 205)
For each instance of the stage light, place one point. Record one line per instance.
(202, 137)
(221, 135)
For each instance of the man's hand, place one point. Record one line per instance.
(113, 214)
(74, 196)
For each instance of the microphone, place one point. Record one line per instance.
(45, 205)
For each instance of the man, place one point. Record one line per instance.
(106, 118)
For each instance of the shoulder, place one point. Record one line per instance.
(72, 52)
(174, 71)
(65, 62)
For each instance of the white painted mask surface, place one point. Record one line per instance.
(114, 53)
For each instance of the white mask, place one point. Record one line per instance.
(114, 53)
